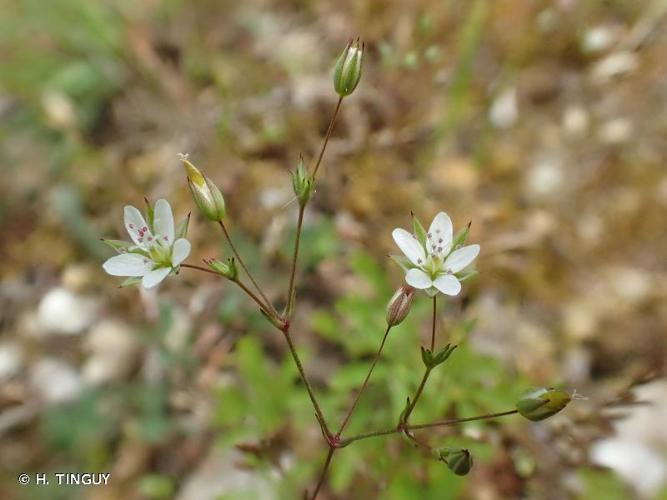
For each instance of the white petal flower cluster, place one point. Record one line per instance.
(154, 252)
(432, 261)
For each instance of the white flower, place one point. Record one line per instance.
(432, 261)
(154, 252)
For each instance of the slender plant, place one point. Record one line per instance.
(436, 261)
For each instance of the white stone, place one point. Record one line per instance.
(616, 131)
(55, 381)
(504, 111)
(11, 360)
(614, 65)
(113, 347)
(545, 178)
(64, 312)
(575, 121)
(598, 39)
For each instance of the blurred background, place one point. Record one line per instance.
(543, 122)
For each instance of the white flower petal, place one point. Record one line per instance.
(154, 277)
(136, 225)
(127, 264)
(447, 284)
(441, 232)
(409, 246)
(418, 279)
(460, 258)
(180, 251)
(163, 221)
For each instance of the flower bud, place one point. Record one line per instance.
(542, 403)
(302, 182)
(227, 269)
(399, 305)
(459, 460)
(205, 193)
(347, 71)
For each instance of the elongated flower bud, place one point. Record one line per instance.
(459, 460)
(302, 182)
(226, 269)
(399, 305)
(205, 193)
(542, 403)
(347, 71)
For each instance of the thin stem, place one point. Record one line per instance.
(304, 379)
(326, 137)
(243, 287)
(433, 326)
(199, 268)
(323, 473)
(413, 402)
(365, 383)
(247, 271)
(442, 423)
(462, 420)
(295, 256)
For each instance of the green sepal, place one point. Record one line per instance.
(470, 273)
(302, 183)
(459, 460)
(419, 231)
(460, 237)
(182, 230)
(443, 354)
(119, 246)
(150, 214)
(403, 262)
(427, 357)
(131, 281)
(227, 269)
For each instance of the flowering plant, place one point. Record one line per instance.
(435, 261)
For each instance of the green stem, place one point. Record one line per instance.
(270, 307)
(323, 473)
(442, 423)
(364, 384)
(243, 287)
(326, 137)
(295, 257)
(413, 402)
(433, 325)
(304, 379)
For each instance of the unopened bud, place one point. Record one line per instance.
(205, 193)
(302, 182)
(399, 305)
(347, 71)
(542, 403)
(226, 269)
(459, 460)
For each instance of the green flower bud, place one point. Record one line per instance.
(347, 71)
(459, 460)
(431, 360)
(205, 193)
(227, 269)
(399, 305)
(542, 403)
(302, 182)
